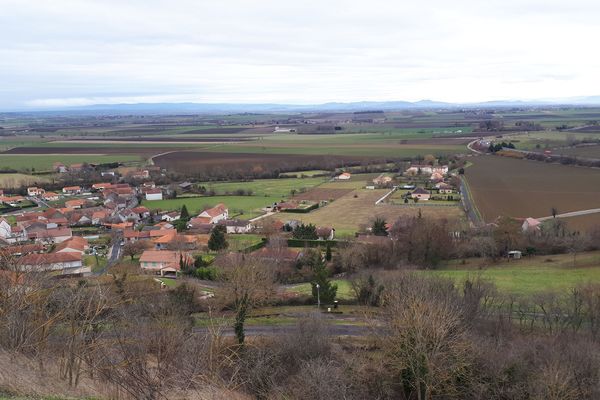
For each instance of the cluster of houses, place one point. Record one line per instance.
(44, 239)
(437, 179)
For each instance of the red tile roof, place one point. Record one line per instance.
(49, 258)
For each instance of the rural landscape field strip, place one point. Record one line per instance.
(523, 188)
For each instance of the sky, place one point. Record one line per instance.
(62, 53)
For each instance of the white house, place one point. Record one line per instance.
(425, 169)
(236, 225)
(153, 194)
(344, 176)
(171, 216)
(5, 229)
(35, 191)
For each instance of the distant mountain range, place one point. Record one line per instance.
(325, 107)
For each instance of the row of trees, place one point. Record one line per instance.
(428, 338)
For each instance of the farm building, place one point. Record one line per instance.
(344, 176)
(421, 194)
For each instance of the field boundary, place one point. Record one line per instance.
(468, 203)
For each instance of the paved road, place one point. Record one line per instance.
(572, 214)
(113, 257)
(470, 144)
(38, 201)
(262, 216)
(264, 330)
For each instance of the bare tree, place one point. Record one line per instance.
(247, 282)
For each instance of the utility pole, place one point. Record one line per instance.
(318, 296)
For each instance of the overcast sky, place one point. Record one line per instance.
(61, 52)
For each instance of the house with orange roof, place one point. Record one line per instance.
(121, 226)
(184, 242)
(53, 235)
(344, 176)
(214, 215)
(98, 217)
(12, 200)
(101, 185)
(50, 196)
(75, 204)
(164, 262)
(75, 244)
(69, 263)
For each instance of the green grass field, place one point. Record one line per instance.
(249, 205)
(531, 275)
(266, 187)
(239, 242)
(34, 162)
(344, 291)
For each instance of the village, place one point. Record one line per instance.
(83, 230)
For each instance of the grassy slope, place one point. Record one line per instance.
(531, 275)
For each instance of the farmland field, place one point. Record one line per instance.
(522, 188)
(249, 205)
(581, 151)
(44, 162)
(319, 193)
(266, 187)
(217, 164)
(583, 223)
(348, 213)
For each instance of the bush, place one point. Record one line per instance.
(206, 273)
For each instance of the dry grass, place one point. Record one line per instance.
(348, 213)
(21, 376)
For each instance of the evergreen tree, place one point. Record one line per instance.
(327, 290)
(379, 227)
(217, 240)
(328, 253)
(305, 232)
(184, 214)
(180, 225)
